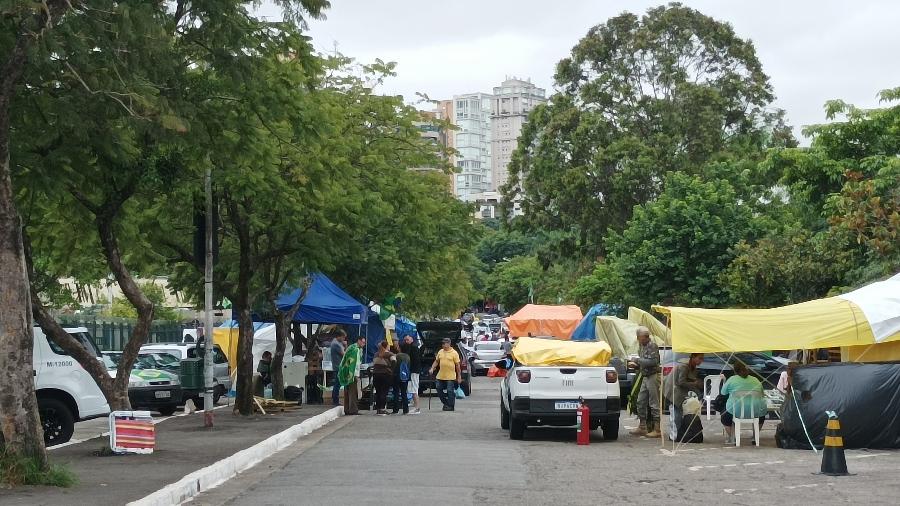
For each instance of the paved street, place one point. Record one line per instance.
(465, 458)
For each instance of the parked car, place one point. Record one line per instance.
(149, 388)
(431, 334)
(484, 354)
(548, 395)
(221, 371)
(767, 369)
(66, 393)
(149, 360)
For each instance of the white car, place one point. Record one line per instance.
(66, 393)
(221, 372)
(548, 395)
(484, 354)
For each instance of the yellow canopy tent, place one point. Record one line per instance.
(621, 335)
(867, 316)
(227, 339)
(535, 351)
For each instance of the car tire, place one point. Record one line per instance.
(467, 388)
(516, 428)
(218, 392)
(168, 410)
(610, 429)
(57, 421)
(504, 416)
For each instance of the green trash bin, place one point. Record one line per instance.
(192, 374)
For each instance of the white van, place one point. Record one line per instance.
(66, 393)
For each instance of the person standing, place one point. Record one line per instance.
(401, 380)
(506, 345)
(264, 368)
(685, 378)
(348, 375)
(382, 375)
(449, 374)
(648, 396)
(337, 355)
(415, 368)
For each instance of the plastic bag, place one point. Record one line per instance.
(691, 404)
(459, 393)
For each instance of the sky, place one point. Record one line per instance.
(813, 51)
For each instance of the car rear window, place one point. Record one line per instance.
(488, 346)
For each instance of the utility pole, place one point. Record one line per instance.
(208, 303)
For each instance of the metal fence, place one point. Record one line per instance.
(111, 334)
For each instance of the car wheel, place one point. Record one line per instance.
(504, 416)
(516, 428)
(467, 388)
(218, 392)
(168, 410)
(611, 429)
(57, 421)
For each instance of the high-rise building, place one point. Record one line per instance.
(472, 118)
(510, 105)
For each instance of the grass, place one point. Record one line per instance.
(16, 470)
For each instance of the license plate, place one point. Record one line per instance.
(566, 405)
(165, 394)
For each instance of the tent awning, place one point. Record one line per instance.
(325, 303)
(866, 316)
(538, 320)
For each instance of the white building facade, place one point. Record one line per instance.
(472, 140)
(511, 103)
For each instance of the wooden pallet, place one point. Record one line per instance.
(264, 405)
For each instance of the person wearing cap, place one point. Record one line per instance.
(449, 374)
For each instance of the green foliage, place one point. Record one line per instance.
(674, 248)
(640, 97)
(514, 280)
(503, 245)
(121, 308)
(16, 470)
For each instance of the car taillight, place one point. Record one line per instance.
(667, 369)
(612, 376)
(524, 376)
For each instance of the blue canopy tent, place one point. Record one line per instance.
(403, 327)
(326, 303)
(374, 333)
(586, 330)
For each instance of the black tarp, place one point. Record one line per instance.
(865, 397)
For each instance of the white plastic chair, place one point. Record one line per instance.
(747, 411)
(711, 388)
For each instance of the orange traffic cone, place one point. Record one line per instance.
(833, 461)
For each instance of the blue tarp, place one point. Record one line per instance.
(586, 330)
(325, 304)
(403, 327)
(373, 331)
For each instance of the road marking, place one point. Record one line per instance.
(771, 462)
(808, 485)
(868, 456)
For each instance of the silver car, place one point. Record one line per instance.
(485, 354)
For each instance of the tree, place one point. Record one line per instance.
(513, 282)
(22, 25)
(674, 248)
(640, 97)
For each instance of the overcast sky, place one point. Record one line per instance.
(813, 51)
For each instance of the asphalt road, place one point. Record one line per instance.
(464, 457)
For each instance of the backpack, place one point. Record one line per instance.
(404, 371)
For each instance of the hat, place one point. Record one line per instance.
(446, 340)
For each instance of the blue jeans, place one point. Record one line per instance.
(447, 392)
(336, 391)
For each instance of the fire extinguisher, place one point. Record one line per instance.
(583, 421)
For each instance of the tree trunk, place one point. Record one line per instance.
(282, 327)
(244, 389)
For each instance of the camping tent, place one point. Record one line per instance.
(325, 303)
(867, 316)
(556, 321)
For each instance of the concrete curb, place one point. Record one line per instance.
(215, 474)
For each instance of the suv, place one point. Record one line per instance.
(66, 393)
(432, 334)
(548, 395)
(221, 375)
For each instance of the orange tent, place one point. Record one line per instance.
(555, 321)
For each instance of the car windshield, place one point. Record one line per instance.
(166, 359)
(488, 346)
(109, 363)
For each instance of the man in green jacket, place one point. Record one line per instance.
(348, 375)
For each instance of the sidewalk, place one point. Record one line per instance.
(182, 447)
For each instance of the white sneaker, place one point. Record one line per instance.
(416, 411)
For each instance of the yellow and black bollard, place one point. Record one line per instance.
(833, 461)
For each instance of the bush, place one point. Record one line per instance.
(16, 470)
